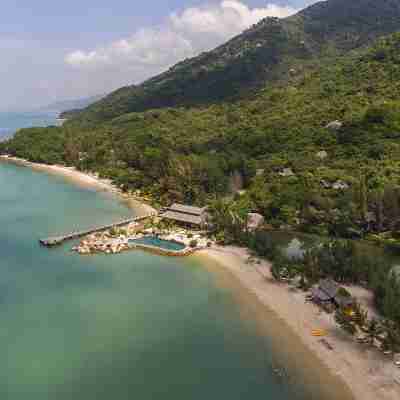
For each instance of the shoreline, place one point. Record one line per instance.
(86, 180)
(368, 374)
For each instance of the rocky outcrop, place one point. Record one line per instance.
(322, 155)
(286, 172)
(334, 126)
(254, 221)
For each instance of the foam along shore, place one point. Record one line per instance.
(368, 373)
(83, 179)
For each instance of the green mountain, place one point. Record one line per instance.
(64, 106)
(297, 119)
(317, 148)
(270, 51)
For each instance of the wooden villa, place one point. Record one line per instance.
(189, 216)
(330, 295)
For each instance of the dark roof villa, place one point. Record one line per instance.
(329, 291)
(188, 215)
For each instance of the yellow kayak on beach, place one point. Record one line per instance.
(318, 332)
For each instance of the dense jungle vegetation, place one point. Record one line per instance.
(275, 153)
(268, 52)
(346, 263)
(297, 119)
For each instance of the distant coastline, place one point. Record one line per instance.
(5, 133)
(11, 122)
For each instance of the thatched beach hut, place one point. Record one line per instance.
(189, 216)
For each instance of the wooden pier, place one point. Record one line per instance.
(58, 240)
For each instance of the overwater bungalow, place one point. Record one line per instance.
(188, 216)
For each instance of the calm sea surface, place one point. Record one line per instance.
(10, 122)
(131, 326)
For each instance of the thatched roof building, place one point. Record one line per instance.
(188, 215)
(320, 296)
(329, 287)
(328, 291)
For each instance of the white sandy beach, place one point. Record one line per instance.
(369, 374)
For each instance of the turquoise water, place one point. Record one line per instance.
(156, 242)
(10, 122)
(130, 326)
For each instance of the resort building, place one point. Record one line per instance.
(330, 295)
(193, 217)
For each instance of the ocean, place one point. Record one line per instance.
(129, 326)
(11, 122)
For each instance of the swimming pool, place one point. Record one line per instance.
(157, 242)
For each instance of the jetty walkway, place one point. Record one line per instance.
(58, 240)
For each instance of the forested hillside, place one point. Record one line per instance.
(278, 153)
(296, 119)
(271, 51)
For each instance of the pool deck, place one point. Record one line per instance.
(164, 252)
(138, 242)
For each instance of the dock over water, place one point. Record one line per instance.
(58, 240)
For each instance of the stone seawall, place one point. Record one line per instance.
(164, 252)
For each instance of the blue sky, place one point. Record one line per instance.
(53, 50)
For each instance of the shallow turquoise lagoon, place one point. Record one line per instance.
(130, 326)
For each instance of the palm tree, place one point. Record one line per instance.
(391, 341)
(374, 330)
(345, 322)
(220, 214)
(228, 219)
(379, 190)
(363, 197)
(312, 267)
(360, 315)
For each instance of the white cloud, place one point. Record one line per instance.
(230, 17)
(146, 47)
(149, 51)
